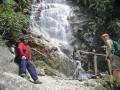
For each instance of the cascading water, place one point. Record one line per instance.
(50, 18)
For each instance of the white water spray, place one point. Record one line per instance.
(50, 17)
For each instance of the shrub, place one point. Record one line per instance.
(11, 24)
(105, 15)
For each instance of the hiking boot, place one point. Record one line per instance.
(23, 75)
(37, 82)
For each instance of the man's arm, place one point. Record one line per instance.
(109, 45)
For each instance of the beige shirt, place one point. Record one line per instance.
(109, 46)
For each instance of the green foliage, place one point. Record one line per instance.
(103, 14)
(22, 4)
(109, 82)
(40, 63)
(52, 63)
(114, 28)
(8, 5)
(46, 63)
(17, 5)
(11, 24)
(46, 66)
(43, 64)
(2, 42)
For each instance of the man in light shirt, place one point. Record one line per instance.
(111, 57)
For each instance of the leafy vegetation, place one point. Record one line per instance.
(108, 82)
(105, 16)
(40, 63)
(22, 4)
(11, 24)
(2, 42)
(12, 18)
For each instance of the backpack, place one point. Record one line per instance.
(116, 46)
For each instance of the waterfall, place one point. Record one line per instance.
(50, 18)
(80, 73)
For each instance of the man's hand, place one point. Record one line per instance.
(24, 58)
(30, 61)
(106, 57)
(104, 46)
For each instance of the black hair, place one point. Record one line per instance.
(22, 39)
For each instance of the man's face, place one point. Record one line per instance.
(106, 37)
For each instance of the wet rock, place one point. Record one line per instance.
(47, 50)
(66, 66)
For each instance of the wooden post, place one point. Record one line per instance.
(95, 60)
(95, 63)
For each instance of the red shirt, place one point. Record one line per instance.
(23, 50)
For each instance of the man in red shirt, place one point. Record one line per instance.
(24, 54)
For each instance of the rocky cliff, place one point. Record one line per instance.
(10, 80)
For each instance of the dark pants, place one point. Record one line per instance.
(25, 64)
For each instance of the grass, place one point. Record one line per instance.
(40, 64)
(108, 82)
(46, 65)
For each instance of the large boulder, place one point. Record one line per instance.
(10, 81)
(7, 63)
(48, 52)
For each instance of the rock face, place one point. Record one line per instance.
(39, 41)
(45, 49)
(7, 61)
(10, 80)
(67, 67)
